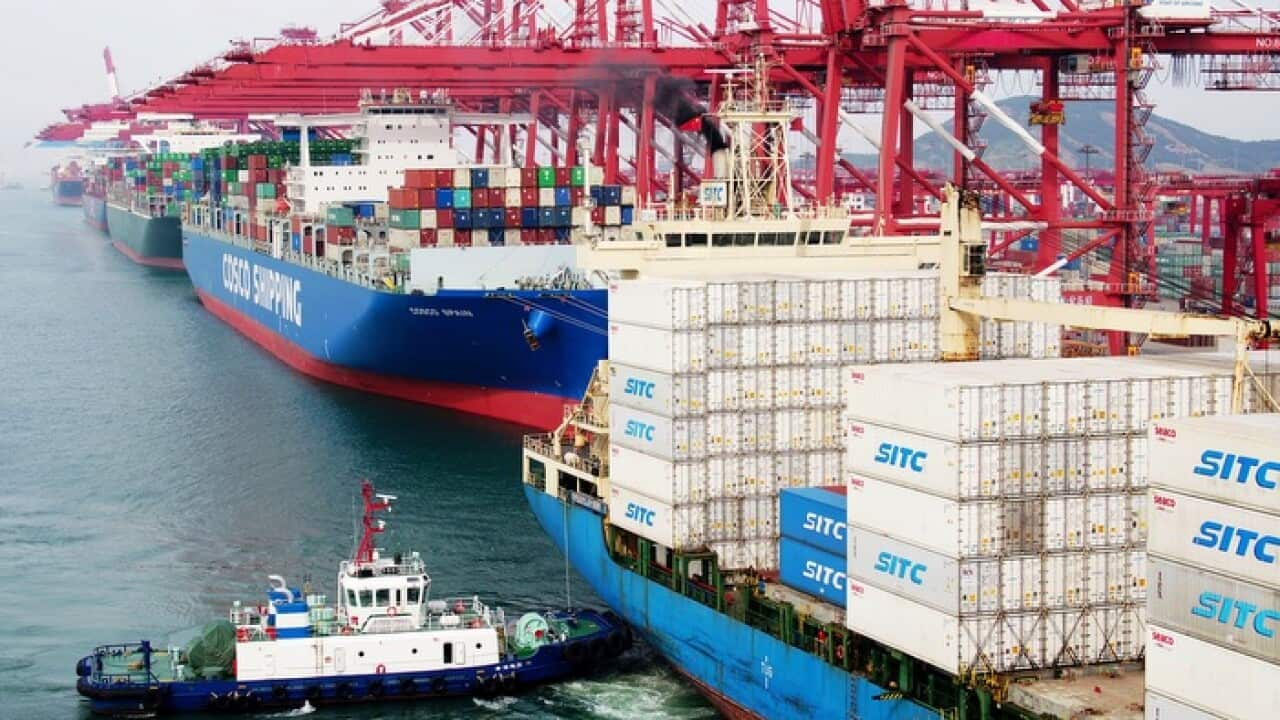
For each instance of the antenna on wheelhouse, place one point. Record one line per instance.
(373, 503)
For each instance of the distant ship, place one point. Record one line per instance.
(383, 638)
(66, 182)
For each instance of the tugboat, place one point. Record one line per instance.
(382, 638)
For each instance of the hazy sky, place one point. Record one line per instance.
(52, 55)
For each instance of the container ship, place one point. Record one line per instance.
(393, 268)
(66, 182)
(144, 190)
(779, 485)
(94, 203)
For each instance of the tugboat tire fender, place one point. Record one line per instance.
(438, 685)
(616, 643)
(596, 648)
(314, 692)
(344, 691)
(574, 652)
(279, 691)
(508, 684)
(408, 686)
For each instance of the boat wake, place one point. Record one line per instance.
(495, 704)
(306, 709)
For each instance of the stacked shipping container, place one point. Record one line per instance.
(1214, 602)
(505, 206)
(814, 542)
(998, 510)
(724, 393)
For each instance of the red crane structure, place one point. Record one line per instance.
(628, 75)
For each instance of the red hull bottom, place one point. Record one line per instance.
(726, 707)
(99, 226)
(162, 263)
(523, 408)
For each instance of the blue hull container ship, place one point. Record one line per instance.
(692, 486)
(452, 296)
(383, 639)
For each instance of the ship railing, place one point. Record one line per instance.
(408, 565)
(564, 453)
(140, 675)
(320, 265)
(463, 613)
(665, 213)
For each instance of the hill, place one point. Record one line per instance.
(1177, 146)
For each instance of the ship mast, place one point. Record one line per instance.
(373, 503)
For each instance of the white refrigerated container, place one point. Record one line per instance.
(1231, 540)
(967, 470)
(991, 528)
(663, 437)
(995, 643)
(659, 303)
(678, 527)
(674, 483)
(1210, 678)
(665, 351)
(1238, 615)
(657, 392)
(1233, 458)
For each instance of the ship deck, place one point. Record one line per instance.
(1083, 692)
(124, 665)
(572, 628)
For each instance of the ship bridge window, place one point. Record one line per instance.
(414, 595)
(833, 237)
(384, 598)
(366, 598)
(695, 240)
(775, 238)
(722, 240)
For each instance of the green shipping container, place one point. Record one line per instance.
(266, 190)
(340, 216)
(546, 177)
(578, 176)
(405, 219)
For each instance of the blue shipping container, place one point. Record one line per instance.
(564, 217)
(546, 217)
(496, 236)
(815, 516)
(529, 217)
(610, 194)
(562, 197)
(562, 234)
(444, 198)
(479, 177)
(596, 194)
(628, 214)
(462, 219)
(812, 571)
(296, 242)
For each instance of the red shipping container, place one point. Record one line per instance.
(529, 197)
(575, 196)
(257, 162)
(426, 237)
(597, 215)
(258, 175)
(479, 198)
(295, 224)
(497, 197)
(528, 236)
(309, 245)
(417, 178)
(529, 177)
(461, 237)
(546, 236)
(511, 217)
(426, 197)
(444, 218)
(563, 176)
(444, 178)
